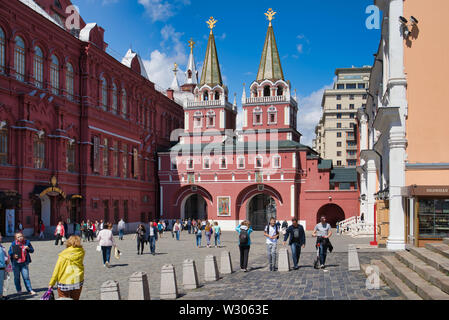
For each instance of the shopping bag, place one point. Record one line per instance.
(64, 239)
(117, 253)
(49, 295)
(98, 248)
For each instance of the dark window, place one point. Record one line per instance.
(351, 86)
(338, 106)
(351, 107)
(338, 115)
(266, 91)
(361, 86)
(338, 134)
(125, 210)
(340, 86)
(3, 146)
(351, 97)
(280, 91)
(106, 210)
(339, 97)
(116, 211)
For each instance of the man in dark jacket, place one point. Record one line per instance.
(20, 256)
(297, 240)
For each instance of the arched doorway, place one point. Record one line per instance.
(333, 214)
(260, 210)
(194, 207)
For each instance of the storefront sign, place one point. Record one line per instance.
(429, 191)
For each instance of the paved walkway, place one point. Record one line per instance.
(306, 283)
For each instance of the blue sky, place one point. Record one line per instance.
(314, 38)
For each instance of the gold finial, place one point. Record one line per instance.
(211, 23)
(270, 15)
(191, 44)
(176, 68)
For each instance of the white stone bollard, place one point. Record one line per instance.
(138, 287)
(226, 263)
(110, 290)
(169, 287)
(211, 269)
(284, 260)
(190, 275)
(353, 258)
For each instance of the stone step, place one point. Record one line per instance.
(430, 274)
(413, 280)
(440, 248)
(431, 258)
(394, 282)
(446, 241)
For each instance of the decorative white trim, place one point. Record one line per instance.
(115, 135)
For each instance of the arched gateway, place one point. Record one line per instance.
(333, 214)
(260, 209)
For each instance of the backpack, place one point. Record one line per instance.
(276, 227)
(243, 237)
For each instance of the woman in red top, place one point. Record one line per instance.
(59, 233)
(41, 230)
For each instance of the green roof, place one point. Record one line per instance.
(324, 164)
(270, 65)
(211, 74)
(342, 175)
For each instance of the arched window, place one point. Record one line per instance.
(19, 59)
(198, 120)
(71, 156)
(211, 119)
(272, 115)
(124, 104)
(70, 80)
(255, 94)
(104, 93)
(3, 143)
(2, 51)
(39, 150)
(257, 116)
(280, 91)
(114, 99)
(38, 67)
(54, 75)
(217, 95)
(206, 96)
(267, 91)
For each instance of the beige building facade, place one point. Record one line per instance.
(335, 135)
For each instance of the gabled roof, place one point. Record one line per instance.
(343, 175)
(270, 65)
(128, 59)
(211, 74)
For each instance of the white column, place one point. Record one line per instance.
(186, 121)
(292, 200)
(396, 239)
(371, 190)
(363, 191)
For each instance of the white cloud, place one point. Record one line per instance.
(310, 113)
(160, 10)
(300, 47)
(160, 65)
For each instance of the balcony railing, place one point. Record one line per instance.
(207, 103)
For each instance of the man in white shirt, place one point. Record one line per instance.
(272, 235)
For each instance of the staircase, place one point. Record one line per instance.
(355, 228)
(418, 273)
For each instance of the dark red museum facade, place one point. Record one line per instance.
(79, 130)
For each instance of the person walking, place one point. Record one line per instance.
(203, 224)
(106, 241)
(66, 229)
(41, 230)
(19, 252)
(208, 231)
(140, 236)
(90, 231)
(297, 240)
(217, 234)
(4, 262)
(83, 230)
(153, 237)
(244, 230)
(59, 233)
(198, 234)
(189, 226)
(177, 229)
(96, 228)
(77, 229)
(323, 232)
(272, 234)
(19, 226)
(121, 229)
(69, 270)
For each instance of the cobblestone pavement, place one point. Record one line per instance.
(259, 284)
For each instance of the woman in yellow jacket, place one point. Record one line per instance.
(69, 270)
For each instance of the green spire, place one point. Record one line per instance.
(270, 64)
(211, 74)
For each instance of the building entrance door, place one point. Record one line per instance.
(260, 210)
(195, 208)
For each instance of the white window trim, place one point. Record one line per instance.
(274, 162)
(221, 168)
(196, 116)
(274, 111)
(238, 163)
(255, 162)
(204, 163)
(258, 111)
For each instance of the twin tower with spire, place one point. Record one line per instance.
(268, 106)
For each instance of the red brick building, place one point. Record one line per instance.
(79, 130)
(262, 172)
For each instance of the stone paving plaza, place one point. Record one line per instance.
(336, 283)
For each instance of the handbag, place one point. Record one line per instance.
(64, 239)
(117, 253)
(49, 295)
(98, 248)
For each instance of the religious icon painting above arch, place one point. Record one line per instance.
(224, 206)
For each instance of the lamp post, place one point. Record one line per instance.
(374, 243)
